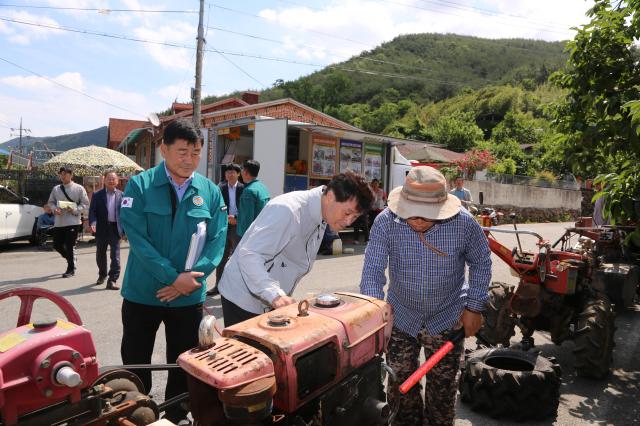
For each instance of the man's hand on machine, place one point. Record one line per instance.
(282, 301)
(471, 321)
(184, 285)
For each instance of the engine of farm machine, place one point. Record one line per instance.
(616, 264)
(558, 291)
(318, 362)
(49, 373)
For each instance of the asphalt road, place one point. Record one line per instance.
(583, 402)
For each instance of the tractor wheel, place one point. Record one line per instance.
(594, 339)
(498, 326)
(512, 384)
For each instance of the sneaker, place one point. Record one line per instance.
(100, 280)
(213, 292)
(69, 274)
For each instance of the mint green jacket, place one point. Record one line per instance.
(158, 247)
(253, 199)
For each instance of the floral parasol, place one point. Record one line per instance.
(91, 161)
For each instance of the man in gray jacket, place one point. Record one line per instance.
(67, 201)
(281, 245)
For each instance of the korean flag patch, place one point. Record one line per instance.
(126, 202)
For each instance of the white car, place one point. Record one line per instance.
(18, 218)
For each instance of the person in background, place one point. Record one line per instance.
(253, 199)
(281, 245)
(104, 219)
(598, 207)
(462, 193)
(379, 202)
(68, 217)
(160, 211)
(44, 225)
(231, 190)
(427, 240)
(361, 224)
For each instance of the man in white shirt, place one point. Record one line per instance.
(231, 190)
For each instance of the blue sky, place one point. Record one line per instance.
(129, 79)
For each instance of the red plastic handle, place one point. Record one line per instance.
(424, 368)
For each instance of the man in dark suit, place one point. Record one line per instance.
(231, 190)
(104, 218)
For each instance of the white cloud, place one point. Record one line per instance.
(38, 84)
(49, 110)
(24, 34)
(345, 28)
(181, 90)
(177, 32)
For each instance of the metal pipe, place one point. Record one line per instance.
(509, 231)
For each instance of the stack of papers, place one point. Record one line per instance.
(198, 239)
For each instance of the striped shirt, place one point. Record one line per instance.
(427, 290)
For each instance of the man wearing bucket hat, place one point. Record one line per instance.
(427, 240)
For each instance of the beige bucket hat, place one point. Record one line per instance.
(424, 194)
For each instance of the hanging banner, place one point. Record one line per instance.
(350, 156)
(323, 157)
(372, 162)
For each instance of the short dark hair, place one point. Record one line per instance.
(180, 129)
(108, 172)
(65, 169)
(233, 166)
(252, 167)
(349, 185)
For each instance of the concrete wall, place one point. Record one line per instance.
(499, 194)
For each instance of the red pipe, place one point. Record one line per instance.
(424, 368)
(431, 362)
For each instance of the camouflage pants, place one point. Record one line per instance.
(438, 407)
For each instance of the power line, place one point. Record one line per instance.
(69, 88)
(462, 16)
(379, 61)
(492, 12)
(95, 9)
(305, 30)
(240, 12)
(240, 54)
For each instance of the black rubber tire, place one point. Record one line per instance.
(594, 339)
(498, 326)
(512, 384)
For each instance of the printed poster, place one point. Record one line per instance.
(372, 162)
(323, 157)
(350, 156)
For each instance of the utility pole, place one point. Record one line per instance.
(20, 129)
(197, 92)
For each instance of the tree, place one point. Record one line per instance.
(602, 75)
(458, 131)
(599, 119)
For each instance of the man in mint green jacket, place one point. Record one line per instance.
(254, 196)
(160, 210)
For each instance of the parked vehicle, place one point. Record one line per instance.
(18, 218)
(567, 292)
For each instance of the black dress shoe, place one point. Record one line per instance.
(69, 274)
(111, 285)
(101, 280)
(213, 292)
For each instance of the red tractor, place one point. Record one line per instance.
(566, 292)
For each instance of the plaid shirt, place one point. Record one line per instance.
(427, 290)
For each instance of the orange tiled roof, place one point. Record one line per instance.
(119, 129)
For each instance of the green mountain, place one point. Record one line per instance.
(61, 143)
(425, 68)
